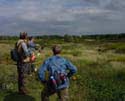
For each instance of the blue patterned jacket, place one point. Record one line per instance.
(57, 61)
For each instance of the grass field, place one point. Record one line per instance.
(100, 76)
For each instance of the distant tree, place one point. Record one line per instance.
(68, 38)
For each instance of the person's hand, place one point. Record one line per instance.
(38, 54)
(74, 78)
(33, 57)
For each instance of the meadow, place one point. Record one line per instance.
(100, 76)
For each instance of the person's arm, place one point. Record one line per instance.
(26, 51)
(32, 44)
(72, 69)
(42, 70)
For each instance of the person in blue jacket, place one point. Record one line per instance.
(66, 68)
(32, 48)
(31, 43)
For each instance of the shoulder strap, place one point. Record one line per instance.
(18, 46)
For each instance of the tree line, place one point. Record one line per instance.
(73, 38)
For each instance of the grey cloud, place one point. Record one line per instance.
(62, 16)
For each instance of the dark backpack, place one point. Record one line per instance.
(14, 53)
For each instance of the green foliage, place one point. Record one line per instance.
(8, 79)
(100, 77)
(118, 59)
(117, 47)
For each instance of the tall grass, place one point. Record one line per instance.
(100, 76)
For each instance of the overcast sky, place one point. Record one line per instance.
(62, 16)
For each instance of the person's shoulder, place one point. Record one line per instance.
(48, 59)
(55, 58)
(20, 41)
(66, 60)
(63, 59)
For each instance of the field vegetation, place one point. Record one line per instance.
(100, 62)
